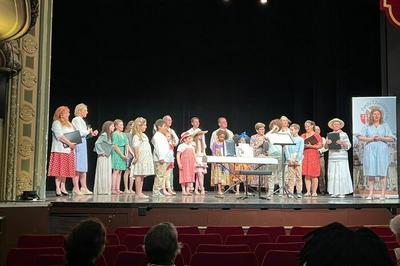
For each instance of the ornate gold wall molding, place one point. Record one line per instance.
(26, 122)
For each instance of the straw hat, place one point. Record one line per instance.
(198, 131)
(185, 135)
(330, 123)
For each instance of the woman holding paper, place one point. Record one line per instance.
(377, 135)
(62, 157)
(311, 163)
(81, 112)
(338, 143)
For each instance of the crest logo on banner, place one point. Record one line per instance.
(362, 107)
(392, 10)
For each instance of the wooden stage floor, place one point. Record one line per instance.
(212, 201)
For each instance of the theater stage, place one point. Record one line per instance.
(125, 209)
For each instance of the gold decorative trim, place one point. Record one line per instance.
(27, 113)
(29, 78)
(26, 148)
(29, 44)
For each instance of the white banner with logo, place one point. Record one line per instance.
(362, 107)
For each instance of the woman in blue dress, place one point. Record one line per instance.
(377, 136)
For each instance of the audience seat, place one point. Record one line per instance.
(281, 257)
(28, 256)
(263, 248)
(101, 261)
(224, 259)
(136, 230)
(289, 238)
(388, 238)
(37, 241)
(185, 252)
(49, 260)
(187, 230)
(381, 230)
(132, 258)
(302, 230)
(273, 231)
(112, 239)
(131, 241)
(224, 231)
(193, 240)
(222, 248)
(111, 252)
(251, 240)
(392, 244)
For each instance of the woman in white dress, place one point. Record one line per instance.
(103, 148)
(339, 178)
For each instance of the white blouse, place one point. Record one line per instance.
(80, 125)
(57, 131)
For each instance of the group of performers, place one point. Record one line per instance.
(126, 151)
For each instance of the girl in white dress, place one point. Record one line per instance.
(142, 163)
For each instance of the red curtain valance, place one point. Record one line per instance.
(392, 10)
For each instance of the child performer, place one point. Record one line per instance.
(219, 172)
(119, 155)
(186, 160)
(339, 178)
(161, 150)
(294, 158)
(103, 147)
(201, 167)
(169, 176)
(128, 181)
(243, 149)
(142, 163)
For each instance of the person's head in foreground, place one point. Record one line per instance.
(85, 242)
(161, 244)
(335, 244)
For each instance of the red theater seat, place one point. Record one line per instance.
(193, 240)
(263, 248)
(111, 252)
(273, 231)
(281, 257)
(37, 241)
(222, 248)
(290, 238)
(135, 230)
(251, 240)
(224, 259)
(187, 230)
(224, 231)
(28, 256)
(302, 231)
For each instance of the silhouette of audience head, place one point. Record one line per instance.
(335, 244)
(161, 244)
(395, 226)
(85, 242)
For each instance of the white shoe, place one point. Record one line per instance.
(341, 196)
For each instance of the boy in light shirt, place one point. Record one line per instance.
(294, 157)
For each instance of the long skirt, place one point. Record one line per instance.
(81, 157)
(102, 180)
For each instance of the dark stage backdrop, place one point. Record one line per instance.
(239, 59)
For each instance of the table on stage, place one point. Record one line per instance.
(243, 160)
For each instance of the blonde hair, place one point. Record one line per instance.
(220, 132)
(137, 123)
(312, 123)
(199, 144)
(78, 108)
(373, 110)
(259, 125)
(57, 116)
(276, 122)
(296, 126)
(129, 127)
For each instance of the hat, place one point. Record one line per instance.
(330, 123)
(185, 135)
(198, 131)
(285, 118)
